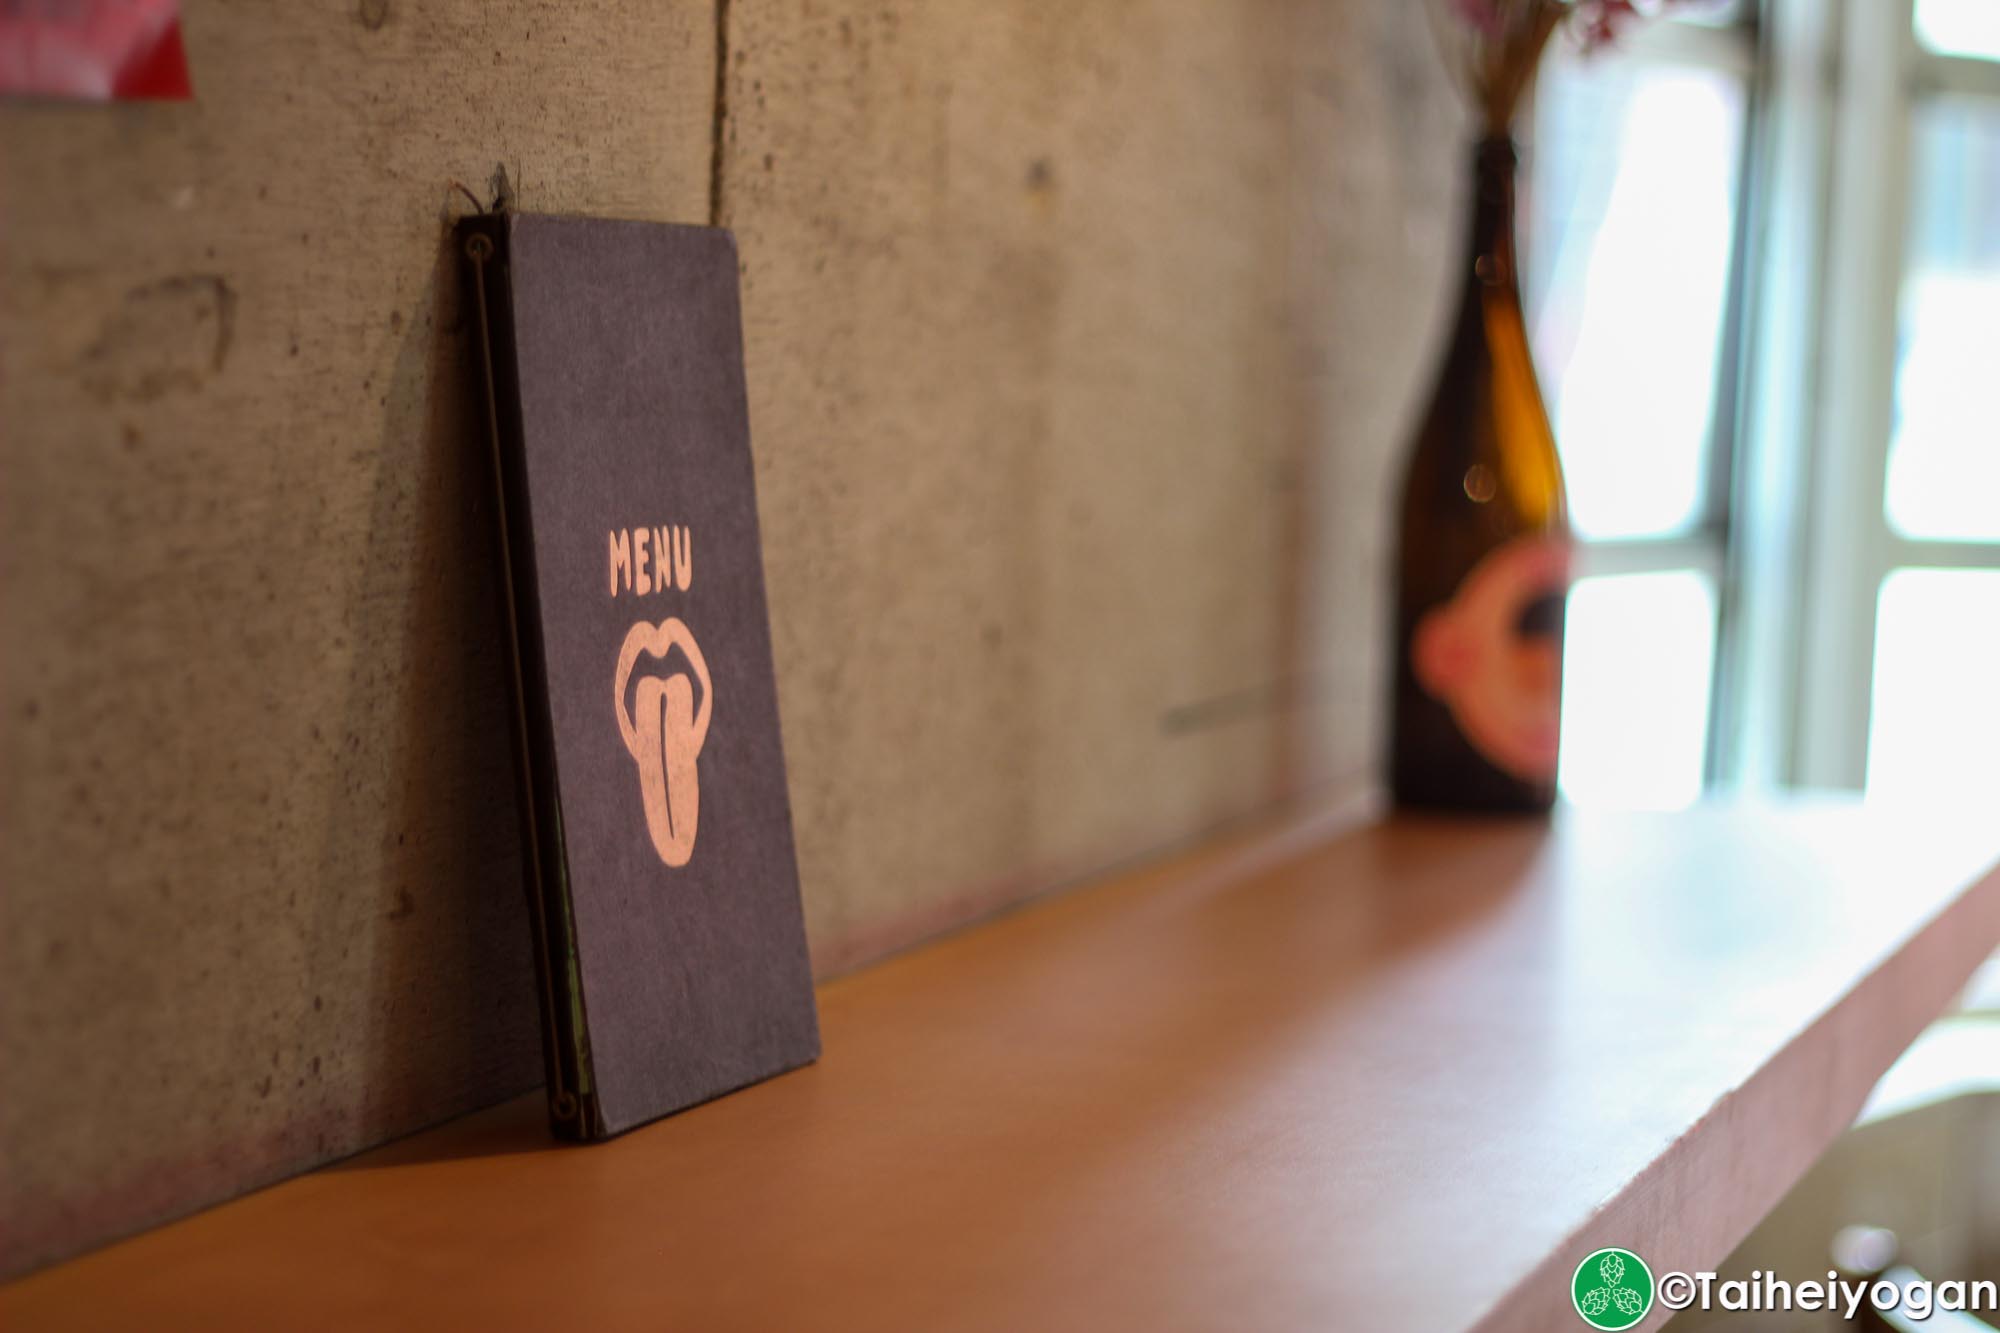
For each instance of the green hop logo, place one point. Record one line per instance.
(1612, 1289)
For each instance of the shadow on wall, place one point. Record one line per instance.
(449, 1019)
(385, 929)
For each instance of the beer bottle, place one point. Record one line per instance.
(1482, 555)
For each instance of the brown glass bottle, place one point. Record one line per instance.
(1482, 549)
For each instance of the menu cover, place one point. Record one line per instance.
(663, 885)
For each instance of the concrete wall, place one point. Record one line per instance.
(1080, 338)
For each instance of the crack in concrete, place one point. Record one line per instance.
(720, 119)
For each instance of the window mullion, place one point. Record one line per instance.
(1849, 549)
(1943, 554)
(1650, 555)
(1758, 661)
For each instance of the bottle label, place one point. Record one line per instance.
(1492, 655)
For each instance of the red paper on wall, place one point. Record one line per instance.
(92, 50)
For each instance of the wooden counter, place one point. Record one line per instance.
(1396, 1078)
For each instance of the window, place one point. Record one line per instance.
(1766, 308)
(1960, 27)
(1943, 478)
(1912, 535)
(1633, 210)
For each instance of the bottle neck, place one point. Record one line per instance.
(1492, 257)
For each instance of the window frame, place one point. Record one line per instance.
(1709, 545)
(1793, 532)
(1877, 77)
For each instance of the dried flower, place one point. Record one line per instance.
(1598, 21)
(1484, 15)
(1493, 46)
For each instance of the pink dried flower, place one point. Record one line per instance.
(1598, 22)
(1483, 15)
(1494, 45)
